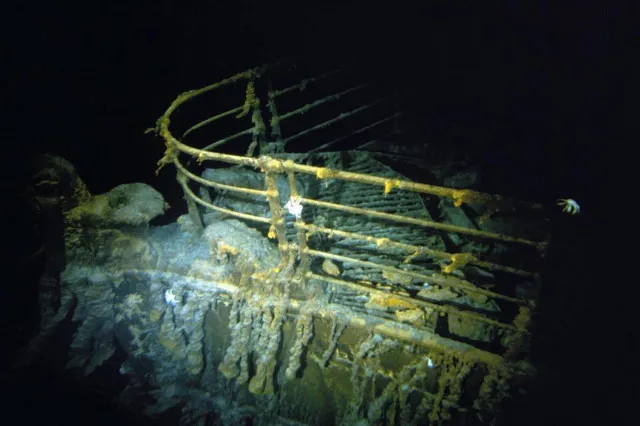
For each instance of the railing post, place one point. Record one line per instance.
(304, 257)
(278, 145)
(271, 168)
(259, 131)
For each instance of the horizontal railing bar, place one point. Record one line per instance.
(227, 139)
(416, 302)
(217, 185)
(303, 84)
(200, 201)
(420, 222)
(322, 125)
(355, 132)
(202, 155)
(336, 96)
(405, 333)
(413, 250)
(211, 120)
(440, 280)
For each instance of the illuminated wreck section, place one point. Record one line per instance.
(308, 288)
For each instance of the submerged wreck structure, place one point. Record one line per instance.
(304, 285)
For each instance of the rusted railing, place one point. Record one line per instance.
(272, 167)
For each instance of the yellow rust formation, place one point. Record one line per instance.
(459, 260)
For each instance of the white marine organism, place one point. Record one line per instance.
(570, 205)
(294, 206)
(170, 298)
(430, 362)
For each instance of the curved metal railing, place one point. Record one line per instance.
(270, 166)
